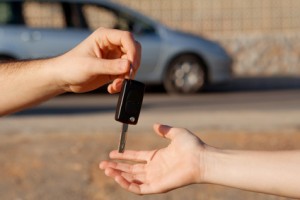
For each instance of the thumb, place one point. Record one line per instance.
(111, 67)
(115, 86)
(166, 131)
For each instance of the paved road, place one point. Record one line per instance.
(226, 108)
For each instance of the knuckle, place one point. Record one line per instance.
(128, 35)
(99, 30)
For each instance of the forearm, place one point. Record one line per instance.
(26, 83)
(267, 172)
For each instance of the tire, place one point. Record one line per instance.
(185, 75)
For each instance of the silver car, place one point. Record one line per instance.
(181, 62)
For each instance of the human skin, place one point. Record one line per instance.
(104, 57)
(188, 160)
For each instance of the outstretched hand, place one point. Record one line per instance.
(187, 160)
(160, 170)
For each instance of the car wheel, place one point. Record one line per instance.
(185, 75)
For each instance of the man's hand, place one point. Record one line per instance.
(105, 56)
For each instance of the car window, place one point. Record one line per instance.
(5, 13)
(74, 16)
(43, 14)
(11, 13)
(97, 16)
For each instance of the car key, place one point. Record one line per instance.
(129, 106)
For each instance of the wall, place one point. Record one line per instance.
(261, 35)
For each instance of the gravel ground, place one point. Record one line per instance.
(53, 150)
(61, 165)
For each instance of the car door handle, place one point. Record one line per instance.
(34, 36)
(25, 36)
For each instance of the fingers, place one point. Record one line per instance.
(111, 42)
(137, 156)
(132, 183)
(124, 167)
(115, 86)
(137, 178)
(110, 67)
(127, 181)
(123, 39)
(130, 186)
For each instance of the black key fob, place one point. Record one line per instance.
(130, 102)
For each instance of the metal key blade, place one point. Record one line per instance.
(123, 138)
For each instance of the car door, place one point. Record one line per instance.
(48, 33)
(43, 43)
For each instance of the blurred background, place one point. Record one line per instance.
(262, 36)
(233, 67)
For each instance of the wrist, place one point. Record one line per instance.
(210, 161)
(52, 71)
(56, 70)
